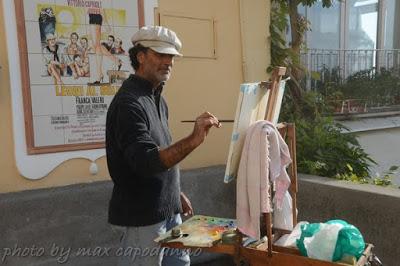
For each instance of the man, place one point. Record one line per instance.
(146, 198)
(53, 58)
(71, 50)
(110, 42)
(117, 49)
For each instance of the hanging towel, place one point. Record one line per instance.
(279, 159)
(265, 156)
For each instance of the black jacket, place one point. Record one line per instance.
(144, 192)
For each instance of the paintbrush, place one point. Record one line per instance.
(220, 120)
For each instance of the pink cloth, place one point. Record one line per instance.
(265, 156)
(279, 159)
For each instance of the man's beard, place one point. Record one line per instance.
(163, 77)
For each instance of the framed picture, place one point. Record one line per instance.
(74, 56)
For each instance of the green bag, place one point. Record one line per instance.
(349, 240)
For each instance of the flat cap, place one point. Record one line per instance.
(158, 38)
(50, 36)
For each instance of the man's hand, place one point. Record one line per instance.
(202, 126)
(187, 208)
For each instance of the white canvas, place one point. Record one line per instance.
(251, 106)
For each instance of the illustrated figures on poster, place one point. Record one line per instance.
(53, 58)
(85, 51)
(71, 60)
(62, 46)
(71, 51)
(81, 50)
(96, 17)
(47, 23)
(110, 43)
(117, 49)
(80, 67)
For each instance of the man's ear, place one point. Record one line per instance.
(140, 57)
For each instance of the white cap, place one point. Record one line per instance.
(50, 36)
(159, 39)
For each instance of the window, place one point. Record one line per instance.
(355, 45)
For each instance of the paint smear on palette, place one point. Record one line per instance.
(200, 231)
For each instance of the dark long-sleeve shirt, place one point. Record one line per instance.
(144, 192)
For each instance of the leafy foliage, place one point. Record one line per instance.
(377, 88)
(386, 180)
(287, 53)
(323, 146)
(278, 28)
(325, 3)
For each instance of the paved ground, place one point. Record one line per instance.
(223, 261)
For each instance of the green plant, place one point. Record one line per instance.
(322, 147)
(351, 176)
(386, 180)
(375, 89)
(285, 14)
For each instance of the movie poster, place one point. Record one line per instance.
(77, 52)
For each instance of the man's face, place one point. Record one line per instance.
(117, 43)
(110, 41)
(74, 38)
(51, 42)
(155, 67)
(83, 43)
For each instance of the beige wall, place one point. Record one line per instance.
(213, 84)
(197, 85)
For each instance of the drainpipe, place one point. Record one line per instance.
(254, 30)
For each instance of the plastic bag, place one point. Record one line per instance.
(350, 242)
(289, 240)
(330, 241)
(283, 217)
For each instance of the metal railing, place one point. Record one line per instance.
(348, 62)
(325, 65)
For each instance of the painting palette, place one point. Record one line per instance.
(200, 231)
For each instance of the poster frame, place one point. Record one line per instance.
(26, 87)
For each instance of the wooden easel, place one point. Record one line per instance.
(284, 256)
(271, 254)
(271, 113)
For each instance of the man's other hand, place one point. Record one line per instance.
(187, 208)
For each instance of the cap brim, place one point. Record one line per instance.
(50, 36)
(161, 47)
(166, 50)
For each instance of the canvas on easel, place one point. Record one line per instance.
(256, 101)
